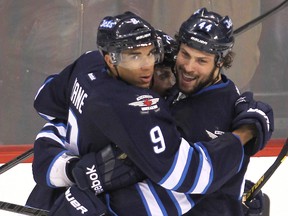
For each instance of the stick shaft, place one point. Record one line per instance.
(266, 176)
(259, 19)
(16, 161)
(22, 209)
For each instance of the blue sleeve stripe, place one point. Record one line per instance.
(171, 169)
(149, 200)
(61, 128)
(107, 198)
(152, 189)
(177, 205)
(207, 156)
(182, 202)
(184, 174)
(205, 172)
(179, 167)
(51, 135)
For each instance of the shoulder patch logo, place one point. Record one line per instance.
(91, 76)
(146, 103)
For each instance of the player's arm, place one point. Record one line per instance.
(52, 98)
(51, 156)
(55, 166)
(153, 143)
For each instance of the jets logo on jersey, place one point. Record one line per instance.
(215, 134)
(146, 103)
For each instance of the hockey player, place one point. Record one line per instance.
(212, 89)
(226, 201)
(164, 77)
(155, 166)
(204, 92)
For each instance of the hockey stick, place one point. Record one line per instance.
(264, 178)
(259, 19)
(16, 161)
(22, 209)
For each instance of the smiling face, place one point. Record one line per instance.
(136, 66)
(195, 69)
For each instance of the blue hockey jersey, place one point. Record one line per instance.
(213, 107)
(104, 110)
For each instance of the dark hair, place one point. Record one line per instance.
(228, 59)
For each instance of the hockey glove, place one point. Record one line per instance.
(251, 112)
(255, 206)
(78, 202)
(105, 170)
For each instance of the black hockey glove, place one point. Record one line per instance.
(106, 170)
(255, 207)
(78, 202)
(251, 112)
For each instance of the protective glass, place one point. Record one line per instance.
(137, 58)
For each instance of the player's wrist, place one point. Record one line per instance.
(58, 175)
(245, 133)
(70, 164)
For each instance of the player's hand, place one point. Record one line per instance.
(106, 170)
(255, 206)
(257, 113)
(77, 202)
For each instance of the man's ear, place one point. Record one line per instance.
(108, 60)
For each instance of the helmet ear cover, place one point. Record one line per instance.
(115, 58)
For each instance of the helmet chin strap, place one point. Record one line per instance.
(218, 59)
(117, 72)
(216, 79)
(117, 76)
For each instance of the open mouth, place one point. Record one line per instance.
(187, 77)
(146, 79)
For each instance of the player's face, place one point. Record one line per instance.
(195, 69)
(137, 66)
(163, 79)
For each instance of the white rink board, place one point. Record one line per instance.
(16, 184)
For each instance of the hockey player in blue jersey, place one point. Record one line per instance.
(215, 91)
(144, 110)
(204, 92)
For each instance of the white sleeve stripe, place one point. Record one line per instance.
(184, 174)
(149, 200)
(204, 175)
(179, 168)
(182, 201)
(46, 117)
(50, 135)
(61, 128)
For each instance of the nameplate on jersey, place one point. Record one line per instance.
(146, 103)
(78, 96)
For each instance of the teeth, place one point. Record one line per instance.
(188, 76)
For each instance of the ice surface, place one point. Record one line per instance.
(16, 184)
